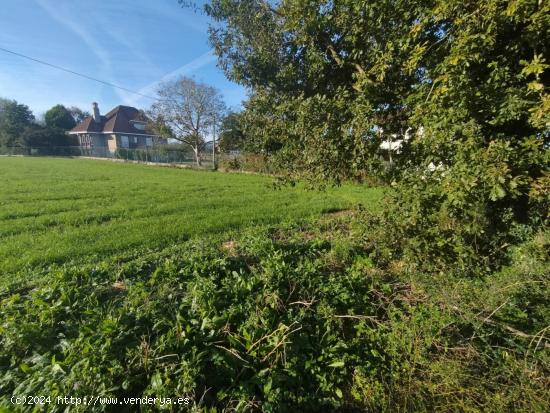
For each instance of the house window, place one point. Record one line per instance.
(149, 141)
(86, 141)
(139, 125)
(134, 139)
(123, 141)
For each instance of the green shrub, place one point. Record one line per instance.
(465, 216)
(248, 163)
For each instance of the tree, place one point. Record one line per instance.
(334, 73)
(231, 136)
(78, 114)
(188, 110)
(59, 117)
(470, 80)
(45, 137)
(483, 109)
(14, 118)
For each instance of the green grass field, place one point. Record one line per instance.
(54, 210)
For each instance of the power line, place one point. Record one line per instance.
(76, 73)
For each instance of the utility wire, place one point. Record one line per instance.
(76, 73)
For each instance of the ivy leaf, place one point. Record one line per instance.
(156, 381)
(497, 193)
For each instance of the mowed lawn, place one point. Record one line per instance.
(60, 209)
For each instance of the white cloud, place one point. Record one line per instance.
(62, 16)
(67, 19)
(184, 70)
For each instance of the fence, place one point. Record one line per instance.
(155, 155)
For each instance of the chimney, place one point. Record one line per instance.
(95, 112)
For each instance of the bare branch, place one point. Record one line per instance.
(186, 110)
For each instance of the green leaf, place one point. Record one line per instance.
(497, 192)
(25, 368)
(156, 381)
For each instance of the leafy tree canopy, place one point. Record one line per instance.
(468, 80)
(59, 117)
(14, 118)
(44, 137)
(231, 136)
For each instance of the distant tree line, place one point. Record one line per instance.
(20, 128)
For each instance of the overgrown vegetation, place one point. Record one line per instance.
(315, 316)
(462, 86)
(248, 162)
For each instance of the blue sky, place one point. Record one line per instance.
(132, 43)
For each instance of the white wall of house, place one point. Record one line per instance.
(113, 141)
(91, 140)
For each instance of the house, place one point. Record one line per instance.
(122, 127)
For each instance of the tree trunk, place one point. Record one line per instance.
(197, 156)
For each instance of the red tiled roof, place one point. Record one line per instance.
(118, 120)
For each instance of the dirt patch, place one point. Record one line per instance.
(337, 213)
(119, 286)
(230, 247)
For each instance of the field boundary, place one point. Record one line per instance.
(119, 160)
(149, 163)
(173, 165)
